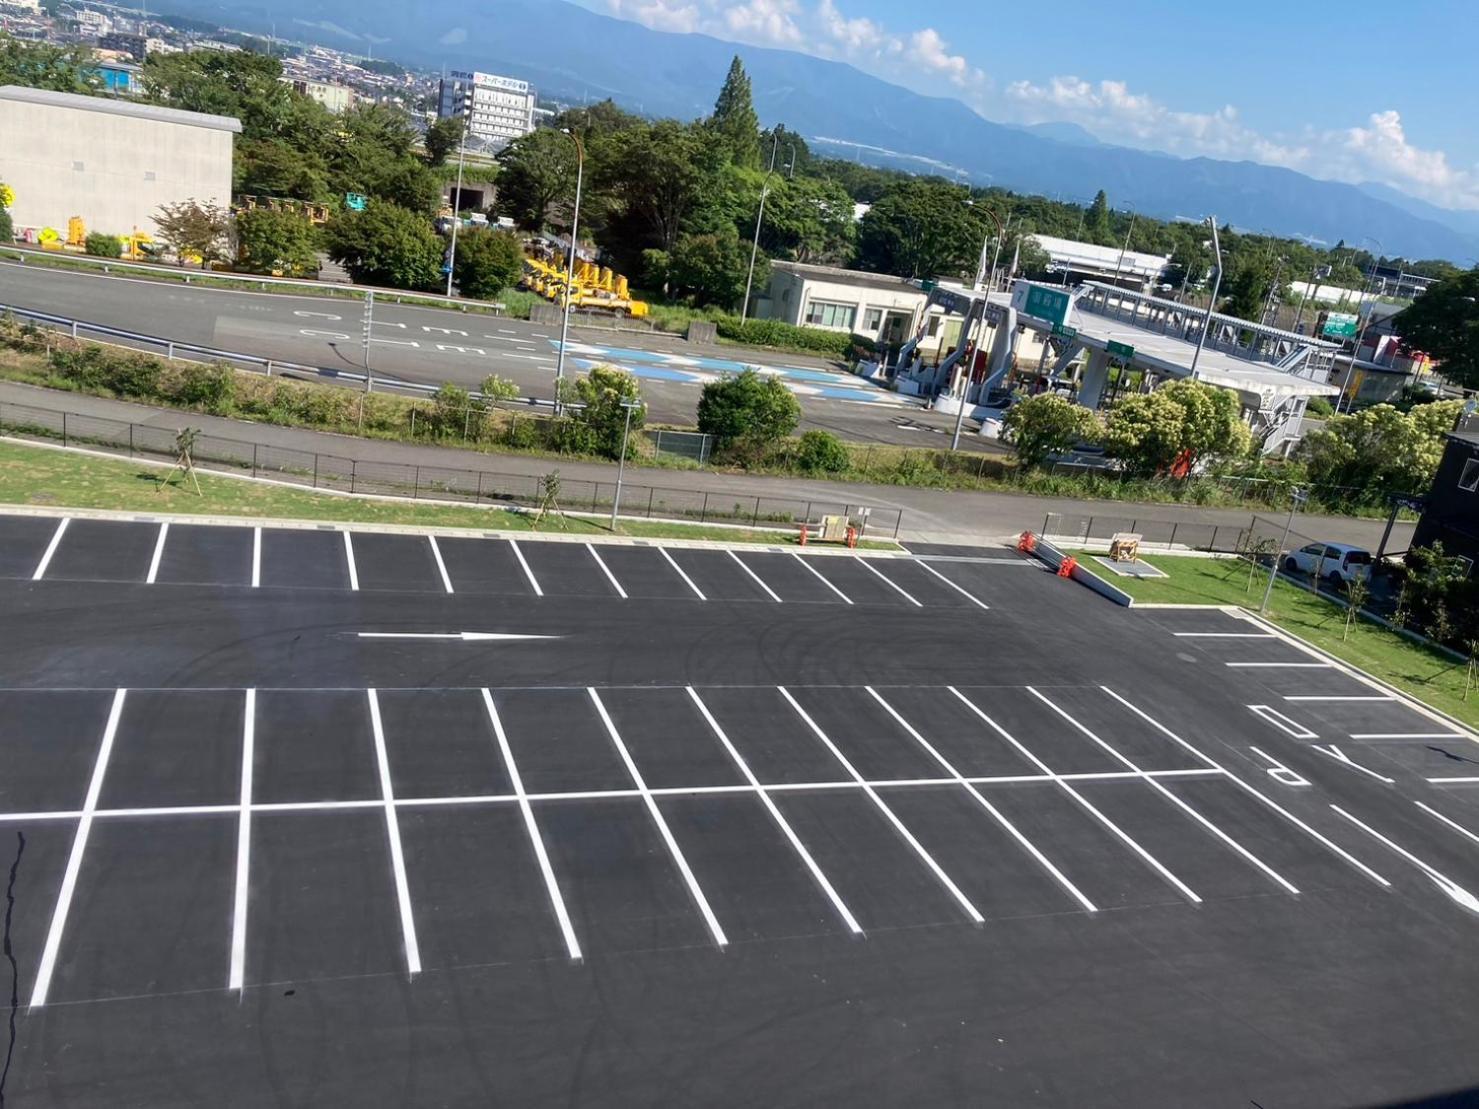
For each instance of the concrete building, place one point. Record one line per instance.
(1451, 516)
(1071, 262)
(134, 47)
(502, 107)
(884, 308)
(110, 162)
(336, 98)
(93, 24)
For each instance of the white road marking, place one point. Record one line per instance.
(1408, 735)
(308, 333)
(1246, 788)
(1223, 635)
(506, 331)
(781, 822)
(551, 885)
(1284, 723)
(1457, 827)
(1279, 665)
(436, 553)
(499, 338)
(899, 826)
(256, 557)
(443, 331)
(1447, 885)
(1341, 757)
(317, 315)
(47, 964)
(349, 562)
(662, 825)
(845, 598)
(964, 593)
(397, 342)
(465, 637)
(56, 539)
(1173, 798)
(528, 573)
(243, 845)
(697, 591)
(773, 595)
(1452, 781)
(393, 836)
(616, 585)
(980, 799)
(1308, 698)
(158, 554)
(446, 348)
(888, 582)
(1277, 770)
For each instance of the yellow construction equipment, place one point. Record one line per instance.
(595, 288)
(76, 233)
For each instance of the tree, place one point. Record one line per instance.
(1444, 322)
(386, 245)
(1380, 450)
(821, 452)
(1246, 291)
(734, 117)
(276, 242)
(808, 220)
(747, 412)
(662, 179)
(40, 66)
(712, 269)
(195, 230)
(599, 426)
(442, 138)
(488, 262)
(1096, 220)
(921, 228)
(1178, 423)
(1045, 425)
(536, 171)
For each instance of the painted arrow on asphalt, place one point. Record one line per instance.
(465, 637)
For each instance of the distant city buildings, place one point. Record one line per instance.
(335, 97)
(502, 108)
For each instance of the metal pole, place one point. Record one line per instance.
(457, 196)
(755, 246)
(621, 465)
(369, 323)
(1212, 304)
(1274, 570)
(570, 266)
(1001, 234)
(1299, 316)
(965, 335)
(996, 254)
(1124, 248)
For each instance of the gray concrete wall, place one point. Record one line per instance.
(112, 170)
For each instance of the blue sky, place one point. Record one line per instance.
(1353, 91)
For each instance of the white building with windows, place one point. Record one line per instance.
(502, 107)
(884, 308)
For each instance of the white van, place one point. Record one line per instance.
(1335, 562)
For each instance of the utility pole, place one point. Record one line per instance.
(621, 465)
(760, 218)
(1124, 248)
(1273, 573)
(1211, 304)
(570, 264)
(1000, 233)
(368, 325)
(457, 195)
(965, 388)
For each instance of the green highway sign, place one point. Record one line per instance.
(1121, 350)
(1341, 325)
(355, 202)
(1065, 332)
(1046, 304)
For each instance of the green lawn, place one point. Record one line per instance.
(42, 476)
(1423, 673)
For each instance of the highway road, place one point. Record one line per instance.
(433, 346)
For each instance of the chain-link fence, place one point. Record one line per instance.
(695, 446)
(1228, 538)
(398, 479)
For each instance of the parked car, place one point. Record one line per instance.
(1335, 562)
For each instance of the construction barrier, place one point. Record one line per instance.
(1066, 566)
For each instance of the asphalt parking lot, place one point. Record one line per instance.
(315, 816)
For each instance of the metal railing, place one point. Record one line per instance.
(317, 470)
(1225, 538)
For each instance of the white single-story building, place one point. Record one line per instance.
(885, 309)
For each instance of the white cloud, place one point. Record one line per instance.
(768, 21)
(660, 15)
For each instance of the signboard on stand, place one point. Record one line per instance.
(1041, 302)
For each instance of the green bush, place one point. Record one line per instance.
(136, 376)
(776, 333)
(821, 452)
(7, 227)
(746, 412)
(212, 387)
(103, 246)
(1320, 408)
(87, 367)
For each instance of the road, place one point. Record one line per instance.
(433, 346)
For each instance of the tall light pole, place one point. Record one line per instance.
(760, 218)
(1212, 304)
(1124, 248)
(1295, 502)
(570, 263)
(1000, 233)
(1315, 275)
(1365, 323)
(621, 465)
(457, 194)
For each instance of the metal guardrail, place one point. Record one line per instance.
(1226, 538)
(319, 470)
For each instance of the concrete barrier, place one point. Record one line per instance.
(545, 314)
(1053, 558)
(702, 331)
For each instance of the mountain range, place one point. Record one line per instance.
(573, 54)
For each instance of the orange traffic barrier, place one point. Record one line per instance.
(803, 535)
(852, 537)
(1067, 567)
(1027, 542)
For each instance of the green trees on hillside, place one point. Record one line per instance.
(386, 245)
(1444, 322)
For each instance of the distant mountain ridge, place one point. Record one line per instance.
(572, 53)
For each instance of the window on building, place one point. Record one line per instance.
(1468, 481)
(822, 313)
(872, 320)
(934, 326)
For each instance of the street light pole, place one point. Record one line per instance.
(621, 465)
(1124, 248)
(457, 194)
(1212, 304)
(760, 218)
(1365, 323)
(1000, 233)
(570, 264)
(369, 324)
(969, 371)
(1295, 502)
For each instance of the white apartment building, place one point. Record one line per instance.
(502, 107)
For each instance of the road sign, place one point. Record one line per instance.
(1047, 304)
(1065, 332)
(1341, 325)
(1121, 350)
(929, 286)
(355, 202)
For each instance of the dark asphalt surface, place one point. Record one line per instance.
(414, 952)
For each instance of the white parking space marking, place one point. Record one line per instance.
(980, 799)
(697, 591)
(46, 556)
(1279, 665)
(756, 577)
(775, 814)
(528, 573)
(317, 315)
(1284, 723)
(928, 859)
(1408, 735)
(1457, 827)
(256, 558)
(47, 965)
(1224, 635)
(1246, 788)
(334, 335)
(551, 885)
(1446, 884)
(1173, 798)
(814, 571)
(1278, 771)
(393, 835)
(158, 554)
(349, 562)
(1340, 756)
(436, 553)
(616, 585)
(888, 582)
(964, 593)
(1309, 698)
(660, 821)
(1452, 781)
(243, 845)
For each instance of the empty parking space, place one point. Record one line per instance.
(23, 540)
(645, 574)
(927, 585)
(313, 745)
(483, 566)
(771, 738)
(1377, 720)
(1031, 726)
(859, 579)
(195, 555)
(961, 737)
(440, 743)
(176, 748)
(33, 855)
(49, 743)
(567, 570)
(718, 577)
(787, 578)
(876, 744)
(396, 562)
(558, 741)
(304, 559)
(672, 744)
(1001, 583)
(1091, 710)
(103, 550)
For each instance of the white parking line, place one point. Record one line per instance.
(158, 554)
(1408, 735)
(1285, 724)
(773, 595)
(1173, 798)
(393, 836)
(1224, 635)
(243, 845)
(1279, 665)
(1451, 781)
(699, 592)
(1457, 827)
(256, 557)
(928, 859)
(1446, 884)
(349, 562)
(886, 581)
(781, 822)
(436, 553)
(662, 825)
(964, 593)
(528, 573)
(616, 585)
(551, 885)
(1308, 698)
(47, 964)
(812, 569)
(56, 539)
(996, 815)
